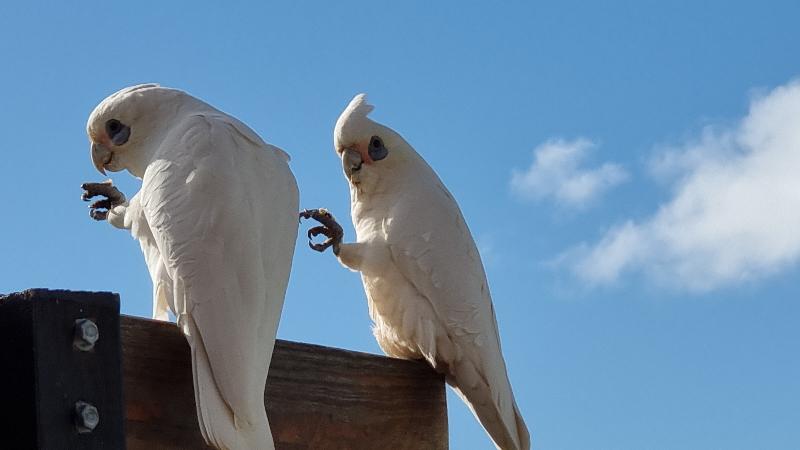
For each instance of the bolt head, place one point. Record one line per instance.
(86, 334)
(86, 417)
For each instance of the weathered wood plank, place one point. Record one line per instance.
(316, 397)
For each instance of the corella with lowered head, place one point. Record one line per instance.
(216, 218)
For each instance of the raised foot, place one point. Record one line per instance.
(329, 228)
(99, 210)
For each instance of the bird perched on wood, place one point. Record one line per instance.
(216, 218)
(426, 287)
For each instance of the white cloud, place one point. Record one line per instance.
(556, 172)
(734, 214)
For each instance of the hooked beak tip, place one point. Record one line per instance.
(100, 157)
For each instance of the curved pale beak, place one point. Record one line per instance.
(101, 156)
(351, 162)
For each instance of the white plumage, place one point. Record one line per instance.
(425, 283)
(216, 220)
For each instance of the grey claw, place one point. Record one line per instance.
(330, 228)
(316, 231)
(322, 246)
(318, 247)
(305, 214)
(101, 204)
(98, 215)
(99, 209)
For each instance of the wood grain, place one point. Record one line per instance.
(316, 397)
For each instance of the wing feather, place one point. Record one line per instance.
(221, 206)
(462, 341)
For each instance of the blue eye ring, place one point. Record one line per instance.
(117, 131)
(377, 151)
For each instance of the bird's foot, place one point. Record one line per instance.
(329, 228)
(99, 210)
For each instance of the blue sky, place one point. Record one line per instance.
(628, 170)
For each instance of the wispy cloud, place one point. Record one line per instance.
(734, 214)
(556, 172)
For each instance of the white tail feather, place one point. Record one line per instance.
(217, 422)
(499, 416)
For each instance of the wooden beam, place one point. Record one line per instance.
(60, 375)
(316, 397)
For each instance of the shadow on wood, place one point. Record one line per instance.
(316, 397)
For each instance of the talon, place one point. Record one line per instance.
(101, 204)
(98, 215)
(308, 213)
(105, 189)
(316, 231)
(318, 247)
(329, 228)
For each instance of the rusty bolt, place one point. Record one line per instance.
(86, 334)
(86, 417)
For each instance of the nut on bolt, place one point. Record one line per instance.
(86, 334)
(86, 417)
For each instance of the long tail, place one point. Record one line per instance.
(493, 404)
(216, 419)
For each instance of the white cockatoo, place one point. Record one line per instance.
(216, 218)
(425, 283)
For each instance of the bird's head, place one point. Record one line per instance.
(369, 150)
(119, 127)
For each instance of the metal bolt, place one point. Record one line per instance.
(86, 417)
(86, 334)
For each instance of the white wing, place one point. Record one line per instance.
(222, 207)
(130, 216)
(435, 252)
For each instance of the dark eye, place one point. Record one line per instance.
(113, 126)
(117, 131)
(377, 151)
